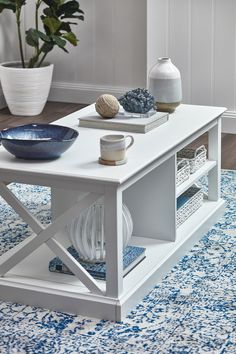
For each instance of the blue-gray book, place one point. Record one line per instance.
(132, 256)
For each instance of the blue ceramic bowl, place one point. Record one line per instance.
(38, 141)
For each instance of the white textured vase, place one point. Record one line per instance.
(25, 90)
(165, 85)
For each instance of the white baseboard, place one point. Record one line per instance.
(88, 93)
(229, 122)
(82, 93)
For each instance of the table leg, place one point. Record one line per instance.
(214, 153)
(114, 242)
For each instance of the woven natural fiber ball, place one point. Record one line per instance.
(107, 106)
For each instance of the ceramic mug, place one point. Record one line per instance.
(113, 147)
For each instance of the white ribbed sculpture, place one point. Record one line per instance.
(87, 232)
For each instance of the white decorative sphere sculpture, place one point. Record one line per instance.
(87, 232)
(107, 106)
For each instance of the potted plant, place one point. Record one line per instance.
(26, 83)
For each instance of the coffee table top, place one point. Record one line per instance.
(81, 160)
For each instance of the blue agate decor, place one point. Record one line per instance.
(137, 101)
(38, 141)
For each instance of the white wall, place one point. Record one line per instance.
(111, 53)
(200, 37)
(121, 39)
(8, 42)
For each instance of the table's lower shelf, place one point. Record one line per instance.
(31, 283)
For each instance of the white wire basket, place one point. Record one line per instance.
(196, 157)
(183, 171)
(188, 203)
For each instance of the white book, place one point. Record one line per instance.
(125, 123)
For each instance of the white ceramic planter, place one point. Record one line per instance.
(25, 90)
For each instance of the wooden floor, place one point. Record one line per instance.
(56, 110)
(51, 112)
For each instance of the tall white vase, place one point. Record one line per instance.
(25, 90)
(165, 85)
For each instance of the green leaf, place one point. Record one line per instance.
(47, 47)
(43, 36)
(73, 16)
(71, 37)
(59, 41)
(50, 3)
(20, 2)
(6, 2)
(65, 26)
(54, 4)
(52, 23)
(32, 37)
(69, 8)
(56, 31)
(49, 12)
(7, 5)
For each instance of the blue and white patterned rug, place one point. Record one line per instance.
(193, 310)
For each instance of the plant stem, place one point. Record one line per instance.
(42, 59)
(37, 6)
(34, 59)
(18, 14)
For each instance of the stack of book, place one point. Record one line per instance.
(127, 123)
(132, 256)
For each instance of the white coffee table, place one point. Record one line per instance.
(147, 186)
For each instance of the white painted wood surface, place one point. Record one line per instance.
(26, 274)
(32, 274)
(114, 241)
(152, 207)
(214, 153)
(81, 160)
(15, 255)
(195, 176)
